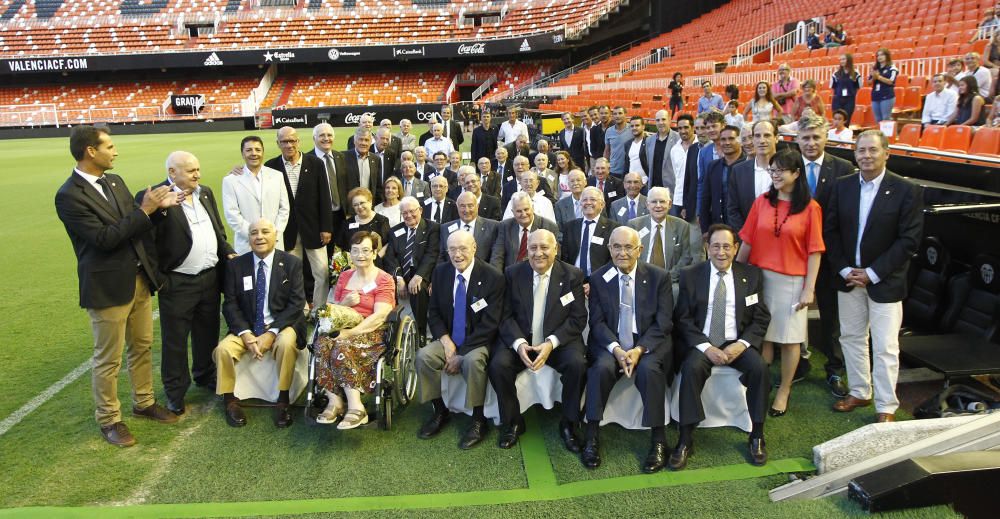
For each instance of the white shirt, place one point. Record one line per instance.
(846, 135)
(508, 133)
(985, 80)
(268, 320)
(437, 209)
(330, 175)
(92, 180)
(590, 236)
(713, 281)
(868, 192)
(461, 225)
(434, 145)
(652, 238)
(635, 327)
(364, 170)
(568, 135)
(761, 180)
(543, 207)
(204, 246)
(536, 277)
(678, 160)
(939, 106)
(634, 162)
(467, 275)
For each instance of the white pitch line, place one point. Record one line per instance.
(43, 397)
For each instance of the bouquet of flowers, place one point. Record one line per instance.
(340, 262)
(333, 318)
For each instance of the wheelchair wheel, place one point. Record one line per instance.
(404, 365)
(385, 412)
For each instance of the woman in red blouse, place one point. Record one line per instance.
(347, 368)
(783, 235)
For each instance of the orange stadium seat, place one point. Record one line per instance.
(932, 137)
(957, 138)
(909, 135)
(986, 141)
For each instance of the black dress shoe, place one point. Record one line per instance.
(591, 454)
(282, 418)
(510, 435)
(838, 387)
(234, 414)
(434, 425)
(473, 435)
(206, 384)
(776, 413)
(571, 441)
(679, 457)
(758, 453)
(175, 407)
(656, 458)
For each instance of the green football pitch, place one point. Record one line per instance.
(55, 464)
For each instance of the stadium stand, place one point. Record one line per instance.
(300, 90)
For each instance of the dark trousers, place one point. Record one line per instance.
(697, 368)
(189, 306)
(676, 105)
(419, 304)
(829, 322)
(650, 377)
(505, 365)
(843, 103)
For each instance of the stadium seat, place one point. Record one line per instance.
(932, 137)
(930, 270)
(957, 138)
(986, 142)
(909, 136)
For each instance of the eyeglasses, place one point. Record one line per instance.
(361, 252)
(628, 249)
(459, 250)
(776, 172)
(715, 247)
(289, 141)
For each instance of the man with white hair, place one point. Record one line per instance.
(491, 179)
(438, 142)
(521, 165)
(411, 253)
(633, 204)
(451, 129)
(407, 140)
(335, 170)
(585, 239)
(439, 208)
(514, 232)
(542, 147)
(364, 168)
(528, 181)
(382, 148)
(423, 162)
(366, 123)
(568, 208)
(489, 206)
(545, 173)
(666, 239)
(484, 230)
(395, 143)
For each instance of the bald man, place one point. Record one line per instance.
(191, 251)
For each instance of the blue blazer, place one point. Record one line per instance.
(654, 314)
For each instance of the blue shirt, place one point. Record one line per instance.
(705, 157)
(707, 103)
(615, 140)
(880, 90)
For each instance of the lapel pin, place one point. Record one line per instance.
(114, 185)
(281, 263)
(744, 280)
(479, 283)
(887, 192)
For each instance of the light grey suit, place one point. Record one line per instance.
(619, 209)
(407, 142)
(510, 238)
(668, 180)
(486, 232)
(243, 205)
(565, 212)
(420, 189)
(676, 242)
(547, 175)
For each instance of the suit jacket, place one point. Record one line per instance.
(506, 176)
(891, 235)
(389, 162)
(486, 232)
(172, 237)
(691, 181)
(572, 237)
(512, 187)
(653, 316)
(643, 162)
(677, 252)
(492, 183)
(693, 298)
(448, 211)
(832, 169)
(420, 189)
(311, 211)
(452, 177)
(106, 242)
(242, 205)
(338, 164)
(565, 211)
(619, 209)
(565, 314)
(285, 297)
(484, 143)
(513, 151)
(510, 237)
(613, 190)
(740, 194)
(667, 178)
(354, 175)
(713, 195)
(425, 252)
(577, 149)
(486, 284)
(489, 207)
(425, 172)
(597, 141)
(457, 137)
(406, 142)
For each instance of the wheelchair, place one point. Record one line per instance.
(395, 372)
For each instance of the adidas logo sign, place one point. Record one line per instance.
(213, 60)
(525, 47)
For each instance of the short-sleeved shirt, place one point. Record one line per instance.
(384, 292)
(615, 141)
(800, 235)
(778, 88)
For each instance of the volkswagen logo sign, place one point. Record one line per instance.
(334, 54)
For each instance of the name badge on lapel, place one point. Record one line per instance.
(429, 201)
(613, 193)
(751, 300)
(399, 232)
(369, 287)
(247, 283)
(621, 211)
(419, 194)
(479, 305)
(609, 275)
(453, 227)
(567, 299)
(643, 232)
(597, 240)
(353, 225)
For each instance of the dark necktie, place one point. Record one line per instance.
(631, 209)
(408, 254)
(717, 326)
(522, 250)
(331, 175)
(585, 249)
(106, 187)
(657, 257)
(259, 290)
(437, 212)
(458, 322)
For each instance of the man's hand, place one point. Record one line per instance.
(401, 287)
(733, 351)
(632, 359)
(544, 350)
(237, 170)
(265, 342)
(523, 352)
(717, 356)
(622, 357)
(858, 278)
(159, 198)
(586, 290)
(352, 298)
(415, 283)
(452, 360)
(325, 237)
(250, 343)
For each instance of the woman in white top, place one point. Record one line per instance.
(389, 207)
(564, 164)
(839, 131)
(763, 107)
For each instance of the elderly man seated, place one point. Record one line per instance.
(263, 308)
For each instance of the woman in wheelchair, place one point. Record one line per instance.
(346, 365)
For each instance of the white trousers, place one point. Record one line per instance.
(859, 315)
(319, 265)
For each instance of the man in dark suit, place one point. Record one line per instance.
(441, 169)
(568, 208)
(520, 148)
(423, 163)
(395, 143)
(489, 205)
(747, 179)
(310, 224)
(464, 317)
(631, 304)
(873, 227)
(382, 149)
(452, 128)
(713, 195)
(585, 240)
(680, 156)
(572, 141)
(514, 231)
(117, 277)
(822, 172)
(484, 139)
(520, 165)
(544, 317)
(721, 319)
(485, 230)
(612, 187)
(690, 196)
(490, 179)
(363, 167)
(335, 169)
(263, 309)
(542, 147)
(191, 250)
(413, 186)
(438, 208)
(410, 257)
(597, 133)
(503, 166)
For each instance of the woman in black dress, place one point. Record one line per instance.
(366, 219)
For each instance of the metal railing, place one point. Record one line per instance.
(789, 40)
(481, 89)
(746, 50)
(641, 62)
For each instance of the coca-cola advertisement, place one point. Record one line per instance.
(350, 116)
